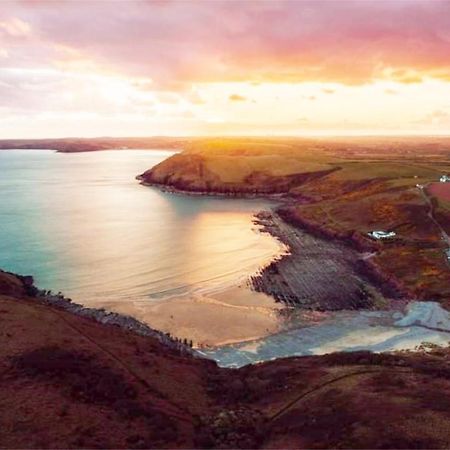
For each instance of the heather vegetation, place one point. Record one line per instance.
(71, 382)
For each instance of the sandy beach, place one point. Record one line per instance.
(310, 274)
(234, 315)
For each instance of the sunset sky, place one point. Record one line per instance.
(142, 68)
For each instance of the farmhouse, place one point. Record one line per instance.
(382, 234)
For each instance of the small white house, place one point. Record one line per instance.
(379, 235)
(444, 179)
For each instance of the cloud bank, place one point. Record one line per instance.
(53, 55)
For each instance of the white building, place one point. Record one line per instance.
(444, 179)
(382, 234)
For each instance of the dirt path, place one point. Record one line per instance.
(315, 389)
(431, 215)
(172, 410)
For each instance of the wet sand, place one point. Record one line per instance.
(234, 315)
(310, 275)
(346, 331)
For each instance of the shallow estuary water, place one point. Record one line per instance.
(81, 224)
(378, 331)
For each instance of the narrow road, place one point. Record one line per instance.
(431, 215)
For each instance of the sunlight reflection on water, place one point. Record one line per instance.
(81, 223)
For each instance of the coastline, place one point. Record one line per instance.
(357, 297)
(100, 315)
(229, 316)
(202, 193)
(176, 258)
(376, 288)
(73, 382)
(328, 281)
(364, 250)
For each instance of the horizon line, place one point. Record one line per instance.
(231, 136)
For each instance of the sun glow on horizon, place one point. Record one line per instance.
(321, 68)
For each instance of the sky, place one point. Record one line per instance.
(212, 67)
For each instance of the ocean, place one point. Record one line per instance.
(82, 224)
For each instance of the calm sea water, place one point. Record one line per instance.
(80, 223)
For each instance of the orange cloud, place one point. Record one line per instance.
(237, 98)
(177, 43)
(164, 58)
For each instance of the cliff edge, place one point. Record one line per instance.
(69, 382)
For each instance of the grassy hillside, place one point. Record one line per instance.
(365, 196)
(241, 166)
(342, 188)
(71, 382)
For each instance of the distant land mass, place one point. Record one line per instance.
(72, 145)
(350, 145)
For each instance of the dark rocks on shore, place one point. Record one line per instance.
(350, 238)
(19, 285)
(317, 274)
(388, 285)
(111, 318)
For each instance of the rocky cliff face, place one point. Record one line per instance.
(14, 285)
(190, 172)
(182, 171)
